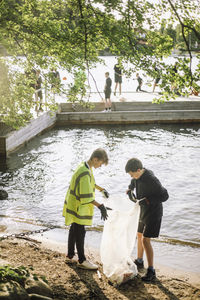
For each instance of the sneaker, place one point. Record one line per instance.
(71, 260)
(109, 109)
(87, 265)
(105, 110)
(149, 276)
(138, 264)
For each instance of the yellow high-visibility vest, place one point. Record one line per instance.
(81, 192)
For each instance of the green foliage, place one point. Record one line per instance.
(78, 89)
(8, 273)
(43, 34)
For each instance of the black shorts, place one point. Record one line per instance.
(107, 94)
(157, 80)
(150, 230)
(118, 78)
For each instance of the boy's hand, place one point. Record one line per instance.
(131, 195)
(103, 210)
(143, 201)
(105, 193)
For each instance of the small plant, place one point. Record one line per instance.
(19, 274)
(44, 279)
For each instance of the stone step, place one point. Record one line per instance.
(128, 117)
(131, 106)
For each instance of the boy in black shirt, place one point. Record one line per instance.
(149, 189)
(107, 92)
(140, 81)
(118, 78)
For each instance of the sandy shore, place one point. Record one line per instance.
(69, 282)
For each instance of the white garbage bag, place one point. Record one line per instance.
(118, 239)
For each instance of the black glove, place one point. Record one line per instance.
(105, 193)
(131, 196)
(103, 210)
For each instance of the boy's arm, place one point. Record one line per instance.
(102, 190)
(99, 188)
(129, 192)
(132, 185)
(156, 192)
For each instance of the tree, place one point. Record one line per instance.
(43, 34)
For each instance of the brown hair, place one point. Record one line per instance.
(100, 154)
(133, 165)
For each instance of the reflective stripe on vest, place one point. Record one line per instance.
(77, 216)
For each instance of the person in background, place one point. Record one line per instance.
(79, 205)
(38, 91)
(150, 194)
(118, 78)
(107, 92)
(174, 69)
(54, 79)
(140, 81)
(156, 80)
(174, 72)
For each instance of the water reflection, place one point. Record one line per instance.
(37, 176)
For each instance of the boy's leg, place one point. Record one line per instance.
(71, 242)
(41, 99)
(36, 101)
(150, 274)
(148, 250)
(109, 104)
(106, 103)
(151, 230)
(154, 86)
(140, 248)
(80, 239)
(115, 88)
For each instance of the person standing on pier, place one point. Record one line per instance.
(140, 81)
(107, 92)
(38, 91)
(79, 204)
(118, 78)
(157, 79)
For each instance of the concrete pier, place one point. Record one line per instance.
(135, 112)
(18, 138)
(130, 113)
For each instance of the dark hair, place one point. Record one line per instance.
(101, 155)
(133, 165)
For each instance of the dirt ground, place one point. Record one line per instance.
(69, 282)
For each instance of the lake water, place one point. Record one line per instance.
(38, 175)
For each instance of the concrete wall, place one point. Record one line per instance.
(130, 113)
(17, 138)
(128, 117)
(131, 106)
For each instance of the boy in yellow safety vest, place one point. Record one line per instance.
(79, 204)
